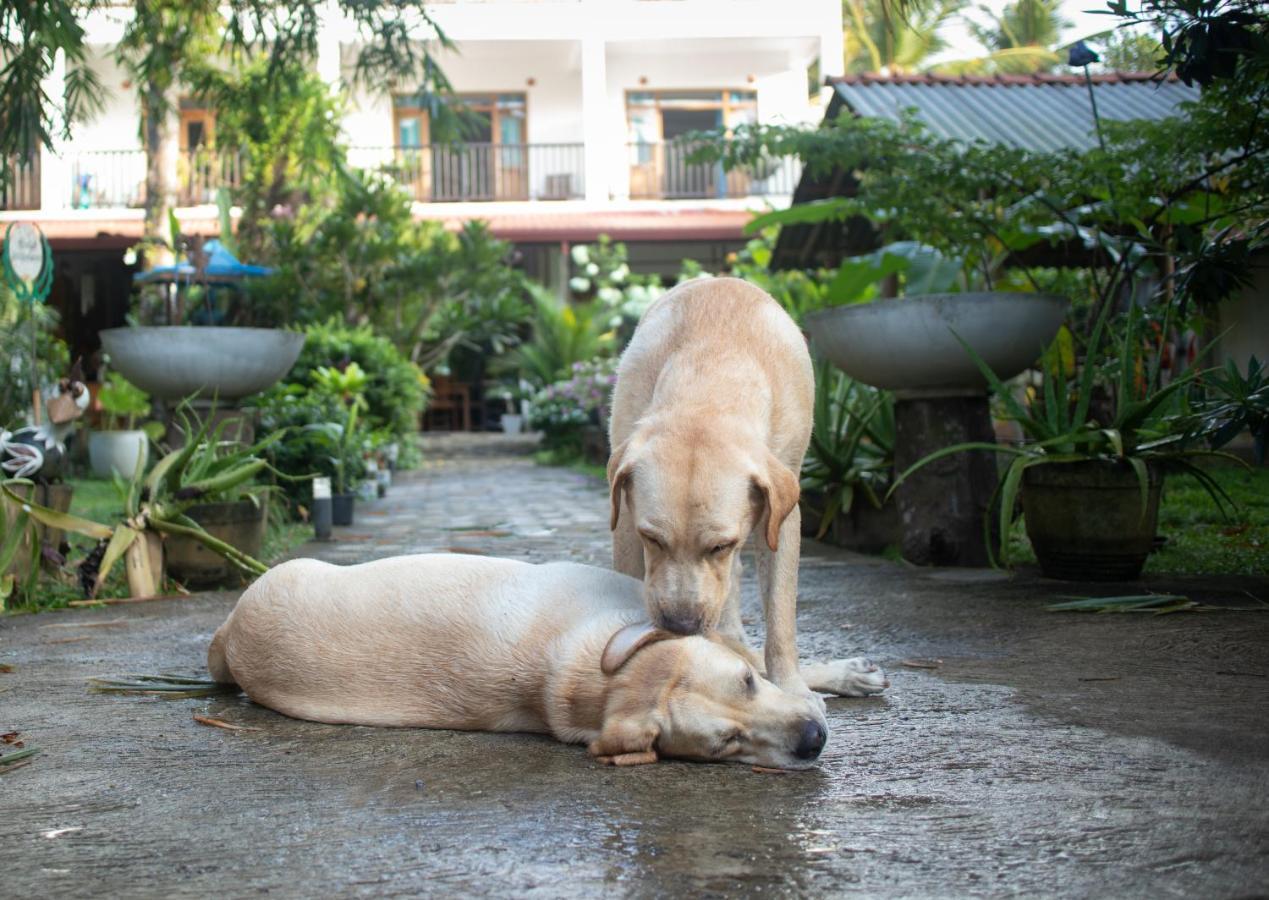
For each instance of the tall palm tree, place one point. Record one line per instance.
(1021, 39)
(882, 38)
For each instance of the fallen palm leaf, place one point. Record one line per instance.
(11, 761)
(768, 770)
(175, 687)
(221, 723)
(921, 663)
(116, 601)
(6, 668)
(1155, 604)
(112, 623)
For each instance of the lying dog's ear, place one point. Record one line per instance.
(619, 471)
(628, 641)
(780, 490)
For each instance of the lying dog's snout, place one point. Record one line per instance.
(811, 740)
(681, 624)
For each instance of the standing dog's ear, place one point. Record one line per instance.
(620, 468)
(628, 641)
(780, 490)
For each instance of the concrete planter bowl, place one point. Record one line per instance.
(908, 346)
(172, 362)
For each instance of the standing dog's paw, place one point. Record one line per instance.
(856, 677)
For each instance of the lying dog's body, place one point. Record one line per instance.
(473, 643)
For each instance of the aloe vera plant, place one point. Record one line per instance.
(1060, 425)
(155, 505)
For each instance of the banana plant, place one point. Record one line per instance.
(155, 505)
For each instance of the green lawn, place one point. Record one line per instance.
(100, 501)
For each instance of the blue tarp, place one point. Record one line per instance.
(222, 266)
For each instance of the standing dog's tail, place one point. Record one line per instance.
(216, 663)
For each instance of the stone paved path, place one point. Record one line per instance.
(1043, 754)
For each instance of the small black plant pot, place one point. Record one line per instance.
(341, 509)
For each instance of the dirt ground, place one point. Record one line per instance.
(1017, 752)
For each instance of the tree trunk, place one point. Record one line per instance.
(158, 192)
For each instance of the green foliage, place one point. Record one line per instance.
(563, 334)
(51, 355)
(852, 444)
(879, 38)
(123, 402)
(395, 389)
(1020, 39)
(311, 447)
(1126, 50)
(280, 125)
(1237, 403)
(562, 409)
(602, 275)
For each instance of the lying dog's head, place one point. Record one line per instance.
(695, 497)
(696, 698)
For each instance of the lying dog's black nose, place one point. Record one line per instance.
(811, 741)
(681, 624)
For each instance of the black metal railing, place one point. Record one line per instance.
(667, 171)
(20, 189)
(446, 173)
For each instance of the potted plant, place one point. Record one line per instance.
(236, 515)
(849, 464)
(119, 447)
(1091, 464)
(343, 439)
(155, 506)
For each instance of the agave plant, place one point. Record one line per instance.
(1066, 423)
(852, 444)
(155, 505)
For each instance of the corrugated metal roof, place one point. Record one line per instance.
(1040, 112)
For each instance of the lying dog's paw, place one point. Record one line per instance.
(856, 677)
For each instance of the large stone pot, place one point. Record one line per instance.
(908, 345)
(240, 524)
(172, 362)
(1085, 521)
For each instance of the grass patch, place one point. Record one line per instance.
(1200, 541)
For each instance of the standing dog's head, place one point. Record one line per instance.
(696, 698)
(695, 496)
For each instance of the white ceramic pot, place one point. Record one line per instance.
(512, 423)
(910, 345)
(117, 451)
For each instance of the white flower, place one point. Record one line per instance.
(620, 273)
(581, 254)
(609, 294)
(579, 285)
(592, 269)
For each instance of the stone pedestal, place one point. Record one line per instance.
(942, 505)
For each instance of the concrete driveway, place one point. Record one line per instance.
(1018, 752)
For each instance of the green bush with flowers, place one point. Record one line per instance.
(564, 409)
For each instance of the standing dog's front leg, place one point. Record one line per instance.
(778, 581)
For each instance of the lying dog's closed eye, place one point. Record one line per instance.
(449, 641)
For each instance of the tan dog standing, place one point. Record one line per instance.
(711, 417)
(474, 643)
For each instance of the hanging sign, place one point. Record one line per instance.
(27, 262)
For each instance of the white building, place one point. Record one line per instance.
(578, 103)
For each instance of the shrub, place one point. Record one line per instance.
(396, 389)
(307, 449)
(561, 410)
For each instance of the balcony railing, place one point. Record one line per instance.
(441, 173)
(116, 178)
(664, 171)
(21, 189)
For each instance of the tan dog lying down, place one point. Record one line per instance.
(473, 643)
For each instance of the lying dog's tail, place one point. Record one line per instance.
(216, 663)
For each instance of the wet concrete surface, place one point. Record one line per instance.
(1045, 754)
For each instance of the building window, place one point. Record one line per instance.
(657, 122)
